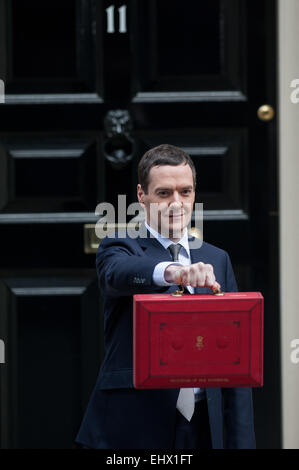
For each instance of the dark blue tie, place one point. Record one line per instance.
(185, 403)
(174, 251)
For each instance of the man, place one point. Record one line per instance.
(119, 416)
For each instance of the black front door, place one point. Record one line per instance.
(90, 86)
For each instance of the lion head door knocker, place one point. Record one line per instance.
(118, 145)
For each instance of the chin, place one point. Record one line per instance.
(173, 228)
(176, 230)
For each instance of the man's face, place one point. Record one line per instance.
(170, 198)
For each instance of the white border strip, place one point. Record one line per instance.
(288, 28)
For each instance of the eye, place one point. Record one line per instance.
(187, 192)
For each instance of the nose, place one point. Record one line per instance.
(175, 200)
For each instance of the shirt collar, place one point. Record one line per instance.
(165, 242)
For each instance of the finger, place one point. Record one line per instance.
(216, 287)
(186, 277)
(193, 275)
(181, 276)
(200, 279)
(178, 276)
(200, 265)
(210, 279)
(205, 275)
(200, 274)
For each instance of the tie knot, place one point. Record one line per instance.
(174, 251)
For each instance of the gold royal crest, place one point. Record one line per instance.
(199, 342)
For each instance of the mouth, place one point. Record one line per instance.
(175, 216)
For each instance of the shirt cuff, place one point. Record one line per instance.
(158, 274)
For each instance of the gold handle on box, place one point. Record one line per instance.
(218, 292)
(179, 292)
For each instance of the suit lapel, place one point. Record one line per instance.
(151, 246)
(195, 254)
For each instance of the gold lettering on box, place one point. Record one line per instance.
(218, 380)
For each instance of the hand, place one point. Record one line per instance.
(195, 275)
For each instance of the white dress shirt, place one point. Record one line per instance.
(184, 259)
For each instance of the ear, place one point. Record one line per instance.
(140, 194)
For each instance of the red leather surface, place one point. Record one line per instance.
(198, 340)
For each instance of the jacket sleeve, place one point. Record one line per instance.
(122, 271)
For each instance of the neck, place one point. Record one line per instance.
(175, 240)
(174, 236)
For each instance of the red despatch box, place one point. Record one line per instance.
(198, 340)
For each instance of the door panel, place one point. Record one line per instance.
(166, 32)
(49, 174)
(50, 51)
(52, 324)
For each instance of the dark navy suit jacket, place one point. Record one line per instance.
(121, 417)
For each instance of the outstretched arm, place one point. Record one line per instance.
(122, 271)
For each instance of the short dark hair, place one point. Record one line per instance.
(164, 154)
